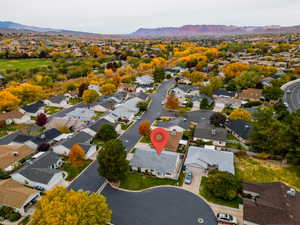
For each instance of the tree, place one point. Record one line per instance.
(272, 93)
(172, 102)
(248, 79)
(268, 134)
(112, 160)
(107, 132)
(159, 75)
(217, 119)
(204, 104)
(27, 92)
(142, 106)
(240, 114)
(41, 119)
(60, 206)
(233, 70)
(223, 185)
(8, 101)
(76, 155)
(90, 96)
(43, 147)
(108, 89)
(144, 128)
(81, 89)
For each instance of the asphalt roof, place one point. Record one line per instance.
(224, 160)
(79, 138)
(33, 108)
(9, 138)
(147, 158)
(99, 123)
(240, 127)
(211, 133)
(179, 121)
(57, 98)
(222, 92)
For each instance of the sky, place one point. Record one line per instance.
(126, 16)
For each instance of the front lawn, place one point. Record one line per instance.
(124, 126)
(73, 171)
(146, 139)
(23, 64)
(50, 110)
(260, 171)
(205, 193)
(139, 181)
(75, 101)
(10, 128)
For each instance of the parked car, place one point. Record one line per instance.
(188, 178)
(137, 117)
(226, 218)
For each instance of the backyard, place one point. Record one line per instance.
(257, 170)
(139, 181)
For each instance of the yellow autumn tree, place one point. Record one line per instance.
(240, 114)
(233, 70)
(90, 96)
(8, 101)
(27, 92)
(108, 89)
(60, 206)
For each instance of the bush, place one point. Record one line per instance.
(251, 104)
(262, 155)
(14, 217)
(241, 154)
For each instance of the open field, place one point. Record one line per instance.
(262, 171)
(23, 64)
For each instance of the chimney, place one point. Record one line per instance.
(173, 132)
(15, 154)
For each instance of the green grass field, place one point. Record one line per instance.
(261, 171)
(23, 64)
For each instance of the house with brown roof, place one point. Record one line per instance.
(17, 196)
(271, 203)
(15, 117)
(250, 94)
(10, 155)
(174, 140)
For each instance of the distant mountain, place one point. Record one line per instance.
(204, 30)
(8, 26)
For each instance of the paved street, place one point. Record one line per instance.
(158, 206)
(292, 98)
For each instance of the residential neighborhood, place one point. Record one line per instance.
(83, 125)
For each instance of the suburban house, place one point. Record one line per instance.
(65, 147)
(41, 171)
(48, 136)
(202, 160)
(178, 124)
(17, 196)
(82, 114)
(222, 102)
(72, 124)
(33, 109)
(125, 111)
(145, 80)
(130, 88)
(15, 117)
(239, 129)
(197, 99)
(94, 128)
(10, 155)
(89, 150)
(207, 133)
(251, 94)
(174, 140)
(143, 96)
(60, 101)
(94, 87)
(224, 93)
(270, 203)
(165, 165)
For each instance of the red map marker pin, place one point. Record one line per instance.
(159, 138)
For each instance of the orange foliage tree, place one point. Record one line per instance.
(8, 101)
(144, 128)
(172, 102)
(76, 155)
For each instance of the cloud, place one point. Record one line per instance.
(124, 16)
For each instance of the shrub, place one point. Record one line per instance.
(14, 217)
(262, 155)
(241, 154)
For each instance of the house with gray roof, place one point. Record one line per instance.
(94, 128)
(208, 133)
(166, 165)
(33, 109)
(82, 114)
(60, 101)
(239, 129)
(65, 147)
(179, 124)
(41, 172)
(145, 80)
(201, 160)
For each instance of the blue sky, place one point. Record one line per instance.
(125, 16)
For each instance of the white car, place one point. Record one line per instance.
(226, 218)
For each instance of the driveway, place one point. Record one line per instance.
(195, 185)
(158, 206)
